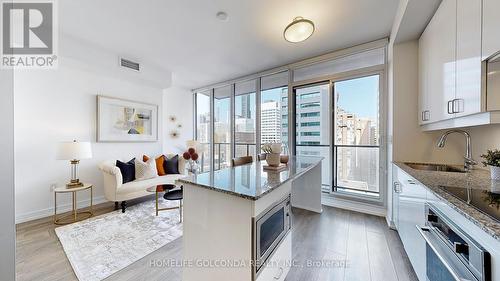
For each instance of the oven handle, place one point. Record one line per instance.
(424, 231)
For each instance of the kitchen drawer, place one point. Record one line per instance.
(278, 264)
(409, 186)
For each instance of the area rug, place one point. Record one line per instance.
(100, 246)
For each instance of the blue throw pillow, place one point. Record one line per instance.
(127, 169)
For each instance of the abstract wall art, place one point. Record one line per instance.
(121, 120)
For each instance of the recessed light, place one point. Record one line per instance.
(221, 15)
(298, 30)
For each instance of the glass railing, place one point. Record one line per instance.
(357, 168)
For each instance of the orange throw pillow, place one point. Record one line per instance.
(159, 165)
(145, 158)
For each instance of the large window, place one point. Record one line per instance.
(222, 127)
(203, 133)
(274, 108)
(333, 112)
(245, 124)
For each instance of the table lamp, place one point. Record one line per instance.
(74, 151)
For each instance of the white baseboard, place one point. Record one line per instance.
(359, 207)
(38, 214)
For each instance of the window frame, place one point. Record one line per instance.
(380, 70)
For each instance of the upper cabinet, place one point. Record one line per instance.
(438, 64)
(491, 28)
(468, 87)
(459, 36)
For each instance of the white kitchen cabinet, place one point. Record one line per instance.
(491, 28)
(396, 189)
(468, 83)
(423, 79)
(439, 62)
(278, 266)
(411, 213)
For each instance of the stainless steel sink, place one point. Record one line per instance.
(435, 167)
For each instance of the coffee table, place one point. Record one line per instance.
(159, 189)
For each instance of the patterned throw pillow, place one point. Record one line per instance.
(145, 170)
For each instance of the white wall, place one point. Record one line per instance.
(7, 227)
(409, 142)
(177, 102)
(60, 105)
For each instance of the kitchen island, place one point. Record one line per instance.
(236, 221)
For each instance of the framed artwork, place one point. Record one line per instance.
(121, 120)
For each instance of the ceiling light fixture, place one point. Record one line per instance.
(298, 30)
(221, 15)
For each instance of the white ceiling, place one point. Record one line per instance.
(185, 37)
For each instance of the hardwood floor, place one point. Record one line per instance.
(352, 246)
(334, 245)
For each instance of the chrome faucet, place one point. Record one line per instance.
(468, 161)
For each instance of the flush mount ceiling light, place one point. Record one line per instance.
(221, 15)
(298, 30)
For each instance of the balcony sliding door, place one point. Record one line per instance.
(312, 125)
(357, 135)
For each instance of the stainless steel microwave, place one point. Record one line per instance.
(269, 230)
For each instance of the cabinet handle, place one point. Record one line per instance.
(458, 105)
(422, 116)
(425, 115)
(397, 187)
(450, 107)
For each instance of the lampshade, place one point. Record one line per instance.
(74, 150)
(298, 30)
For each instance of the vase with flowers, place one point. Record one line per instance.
(191, 157)
(492, 160)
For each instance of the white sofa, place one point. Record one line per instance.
(115, 190)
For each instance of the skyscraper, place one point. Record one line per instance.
(270, 122)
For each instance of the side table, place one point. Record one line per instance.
(75, 215)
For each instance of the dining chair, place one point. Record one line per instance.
(241, 160)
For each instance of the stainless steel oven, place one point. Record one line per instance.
(451, 254)
(269, 229)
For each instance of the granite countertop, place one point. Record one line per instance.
(476, 179)
(251, 181)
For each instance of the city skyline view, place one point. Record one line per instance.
(355, 118)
